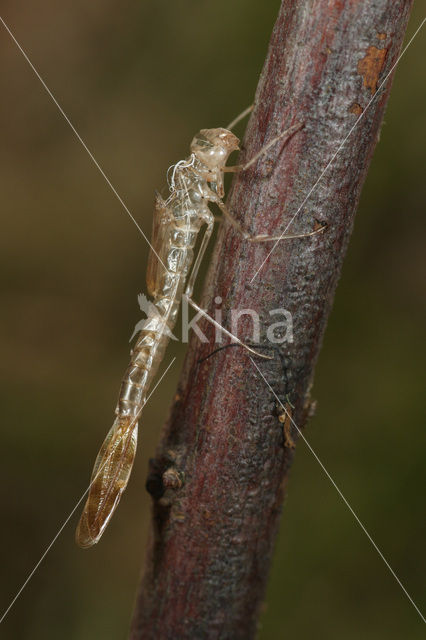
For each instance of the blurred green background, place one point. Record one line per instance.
(138, 79)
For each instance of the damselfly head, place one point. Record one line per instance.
(213, 146)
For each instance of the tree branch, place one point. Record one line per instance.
(221, 469)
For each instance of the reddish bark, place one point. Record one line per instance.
(227, 449)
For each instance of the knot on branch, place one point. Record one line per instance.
(164, 478)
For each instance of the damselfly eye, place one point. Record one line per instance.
(202, 141)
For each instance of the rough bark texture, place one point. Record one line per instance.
(220, 472)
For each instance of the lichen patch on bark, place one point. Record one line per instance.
(371, 66)
(356, 109)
